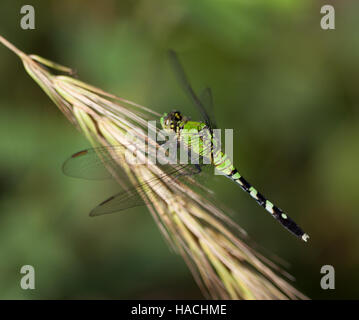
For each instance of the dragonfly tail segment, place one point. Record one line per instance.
(276, 212)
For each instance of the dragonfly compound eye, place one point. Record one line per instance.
(178, 115)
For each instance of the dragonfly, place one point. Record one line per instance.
(90, 163)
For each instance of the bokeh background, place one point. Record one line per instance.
(288, 88)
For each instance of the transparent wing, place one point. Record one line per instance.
(103, 162)
(183, 80)
(92, 163)
(207, 102)
(119, 202)
(136, 195)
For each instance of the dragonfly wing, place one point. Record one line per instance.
(93, 163)
(136, 195)
(207, 101)
(183, 80)
(103, 162)
(118, 202)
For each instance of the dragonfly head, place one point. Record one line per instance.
(171, 121)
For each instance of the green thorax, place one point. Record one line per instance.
(198, 137)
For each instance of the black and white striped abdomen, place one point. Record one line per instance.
(276, 212)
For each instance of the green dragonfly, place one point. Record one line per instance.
(89, 163)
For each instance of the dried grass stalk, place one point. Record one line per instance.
(223, 265)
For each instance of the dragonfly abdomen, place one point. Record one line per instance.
(222, 163)
(276, 212)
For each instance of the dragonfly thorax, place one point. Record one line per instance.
(173, 121)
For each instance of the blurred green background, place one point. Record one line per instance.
(288, 88)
